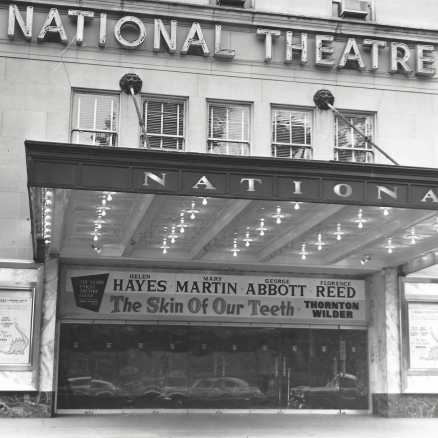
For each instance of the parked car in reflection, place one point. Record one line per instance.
(341, 392)
(90, 387)
(223, 387)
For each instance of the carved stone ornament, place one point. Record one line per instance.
(322, 98)
(130, 80)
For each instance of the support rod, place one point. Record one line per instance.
(366, 138)
(140, 119)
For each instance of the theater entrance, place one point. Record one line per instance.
(182, 367)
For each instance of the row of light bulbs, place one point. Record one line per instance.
(47, 214)
(101, 212)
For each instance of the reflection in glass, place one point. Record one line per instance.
(105, 366)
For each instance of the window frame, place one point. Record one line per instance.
(371, 150)
(86, 91)
(225, 104)
(165, 99)
(296, 108)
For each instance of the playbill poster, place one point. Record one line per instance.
(423, 335)
(15, 326)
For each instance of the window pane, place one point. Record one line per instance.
(228, 148)
(293, 128)
(296, 152)
(165, 120)
(228, 123)
(349, 145)
(94, 119)
(93, 111)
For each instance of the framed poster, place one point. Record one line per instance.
(423, 335)
(419, 328)
(17, 310)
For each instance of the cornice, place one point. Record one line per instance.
(245, 19)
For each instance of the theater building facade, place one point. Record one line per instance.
(218, 206)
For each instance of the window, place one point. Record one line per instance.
(95, 119)
(349, 145)
(228, 129)
(291, 134)
(164, 123)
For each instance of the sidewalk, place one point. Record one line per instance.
(217, 425)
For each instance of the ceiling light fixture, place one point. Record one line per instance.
(173, 236)
(278, 215)
(235, 250)
(303, 252)
(297, 205)
(182, 225)
(193, 211)
(247, 239)
(338, 233)
(262, 227)
(319, 242)
(360, 219)
(389, 246)
(412, 236)
(385, 210)
(164, 247)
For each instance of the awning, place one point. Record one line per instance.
(235, 212)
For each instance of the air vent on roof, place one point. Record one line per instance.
(354, 8)
(236, 3)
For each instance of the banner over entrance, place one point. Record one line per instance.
(143, 295)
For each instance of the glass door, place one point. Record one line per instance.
(173, 366)
(323, 391)
(75, 366)
(353, 382)
(295, 371)
(204, 390)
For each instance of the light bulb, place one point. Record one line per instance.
(262, 233)
(192, 216)
(164, 251)
(319, 247)
(95, 237)
(360, 225)
(303, 257)
(385, 212)
(339, 237)
(247, 243)
(181, 230)
(109, 197)
(413, 241)
(204, 201)
(103, 201)
(172, 240)
(297, 206)
(278, 220)
(103, 213)
(99, 226)
(390, 250)
(234, 253)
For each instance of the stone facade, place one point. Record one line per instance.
(36, 83)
